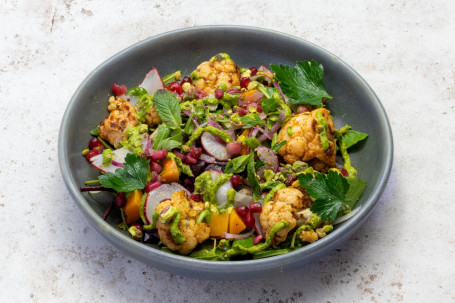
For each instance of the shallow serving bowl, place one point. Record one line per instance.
(354, 103)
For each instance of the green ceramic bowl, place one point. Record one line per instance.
(354, 103)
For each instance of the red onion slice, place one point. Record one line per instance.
(234, 91)
(257, 224)
(117, 164)
(226, 235)
(146, 143)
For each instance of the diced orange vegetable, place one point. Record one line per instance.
(245, 133)
(170, 171)
(236, 225)
(133, 202)
(219, 224)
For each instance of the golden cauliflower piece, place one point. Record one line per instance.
(114, 103)
(284, 206)
(193, 232)
(122, 116)
(308, 236)
(304, 140)
(152, 117)
(215, 72)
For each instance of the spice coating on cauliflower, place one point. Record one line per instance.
(303, 137)
(286, 202)
(122, 116)
(193, 232)
(213, 73)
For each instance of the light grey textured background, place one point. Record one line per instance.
(404, 50)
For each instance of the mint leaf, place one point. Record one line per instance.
(303, 84)
(237, 165)
(277, 146)
(251, 120)
(168, 108)
(254, 181)
(253, 143)
(132, 176)
(356, 188)
(352, 137)
(162, 133)
(172, 142)
(328, 191)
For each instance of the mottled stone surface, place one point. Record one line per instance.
(404, 50)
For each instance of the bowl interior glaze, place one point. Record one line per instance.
(354, 103)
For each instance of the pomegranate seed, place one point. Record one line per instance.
(155, 167)
(95, 143)
(255, 207)
(242, 112)
(138, 226)
(190, 160)
(253, 70)
(174, 86)
(248, 220)
(157, 155)
(236, 181)
(219, 93)
(242, 211)
(180, 155)
(196, 198)
(244, 82)
(92, 153)
(118, 89)
(119, 200)
(344, 172)
(151, 186)
(188, 185)
(186, 80)
(195, 152)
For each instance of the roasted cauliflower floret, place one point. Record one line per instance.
(308, 236)
(274, 212)
(152, 117)
(114, 103)
(194, 233)
(122, 116)
(306, 137)
(217, 71)
(284, 206)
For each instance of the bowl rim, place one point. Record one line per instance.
(221, 269)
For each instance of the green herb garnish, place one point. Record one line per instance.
(238, 165)
(132, 176)
(303, 84)
(168, 108)
(251, 120)
(277, 146)
(329, 192)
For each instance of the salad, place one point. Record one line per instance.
(226, 163)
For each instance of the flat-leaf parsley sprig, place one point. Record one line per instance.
(132, 176)
(303, 84)
(329, 192)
